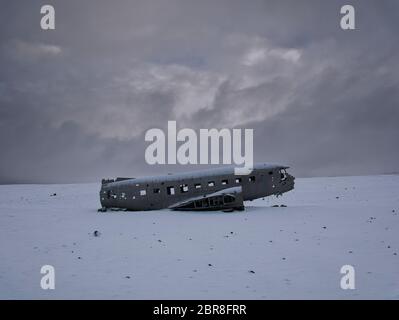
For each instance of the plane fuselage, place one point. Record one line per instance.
(159, 192)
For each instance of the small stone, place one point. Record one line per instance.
(96, 233)
(210, 265)
(251, 271)
(127, 277)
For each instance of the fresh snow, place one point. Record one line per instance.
(265, 252)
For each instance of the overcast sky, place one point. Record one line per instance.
(75, 102)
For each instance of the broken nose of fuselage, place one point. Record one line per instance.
(288, 183)
(291, 181)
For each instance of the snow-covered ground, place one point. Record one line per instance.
(293, 252)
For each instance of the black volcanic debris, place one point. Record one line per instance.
(370, 220)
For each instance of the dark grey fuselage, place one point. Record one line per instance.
(150, 193)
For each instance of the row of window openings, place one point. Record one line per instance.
(183, 188)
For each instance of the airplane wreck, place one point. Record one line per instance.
(211, 189)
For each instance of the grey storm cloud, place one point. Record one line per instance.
(75, 102)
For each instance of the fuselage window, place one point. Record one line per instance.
(170, 190)
(211, 183)
(143, 192)
(252, 179)
(238, 180)
(197, 186)
(183, 188)
(157, 190)
(123, 196)
(224, 182)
